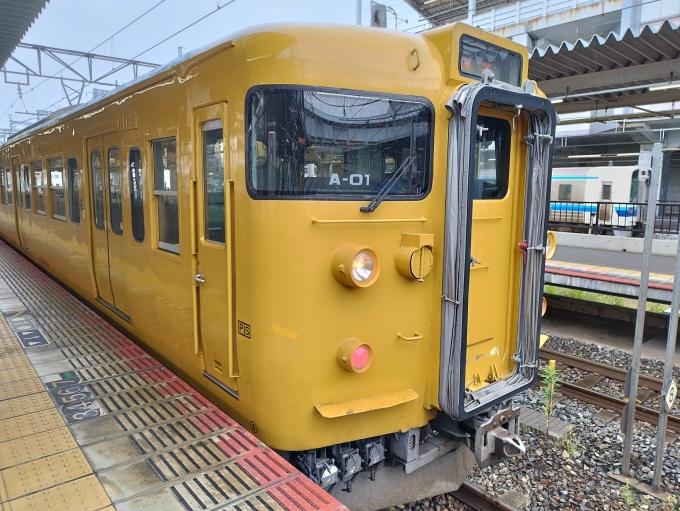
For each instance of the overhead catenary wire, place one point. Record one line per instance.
(219, 7)
(91, 50)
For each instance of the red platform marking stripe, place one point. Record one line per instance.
(257, 465)
(605, 278)
(300, 493)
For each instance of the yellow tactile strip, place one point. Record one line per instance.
(25, 404)
(41, 465)
(84, 494)
(33, 447)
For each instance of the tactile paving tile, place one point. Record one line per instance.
(150, 439)
(33, 447)
(29, 424)
(45, 473)
(26, 404)
(84, 494)
(9, 390)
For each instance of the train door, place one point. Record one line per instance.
(493, 292)
(18, 200)
(214, 279)
(115, 168)
(100, 223)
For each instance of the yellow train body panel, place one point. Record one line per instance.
(267, 321)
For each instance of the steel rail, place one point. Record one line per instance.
(611, 372)
(616, 405)
(479, 500)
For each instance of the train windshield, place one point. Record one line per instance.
(337, 144)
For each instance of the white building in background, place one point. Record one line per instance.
(540, 23)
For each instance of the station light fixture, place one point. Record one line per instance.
(665, 86)
(556, 101)
(584, 156)
(355, 265)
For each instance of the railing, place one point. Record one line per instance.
(613, 217)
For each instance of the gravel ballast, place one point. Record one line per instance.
(571, 475)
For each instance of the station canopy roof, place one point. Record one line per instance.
(16, 16)
(631, 69)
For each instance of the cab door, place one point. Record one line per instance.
(214, 248)
(100, 222)
(494, 254)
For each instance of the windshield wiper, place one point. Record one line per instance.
(380, 196)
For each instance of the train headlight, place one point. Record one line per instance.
(355, 265)
(354, 355)
(362, 267)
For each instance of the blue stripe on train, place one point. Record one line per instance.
(567, 207)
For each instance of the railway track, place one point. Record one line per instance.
(480, 500)
(605, 401)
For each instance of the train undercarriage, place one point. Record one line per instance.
(412, 464)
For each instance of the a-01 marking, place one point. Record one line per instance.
(74, 398)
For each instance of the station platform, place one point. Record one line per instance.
(89, 421)
(613, 281)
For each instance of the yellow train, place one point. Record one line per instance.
(335, 233)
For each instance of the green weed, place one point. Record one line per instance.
(549, 377)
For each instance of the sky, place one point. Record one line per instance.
(84, 25)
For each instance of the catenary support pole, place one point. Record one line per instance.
(629, 413)
(358, 12)
(668, 383)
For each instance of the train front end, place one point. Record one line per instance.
(393, 221)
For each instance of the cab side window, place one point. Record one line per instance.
(136, 194)
(74, 194)
(493, 159)
(165, 193)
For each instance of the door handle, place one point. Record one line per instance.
(199, 277)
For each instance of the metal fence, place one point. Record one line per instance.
(613, 217)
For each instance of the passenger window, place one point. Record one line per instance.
(9, 191)
(493, 158)
(3, 185)
(136, 194)
(165, 193)
(26, 186)
(564, 192)
(18, 179)
(39, 184)
(115, 198)
(74, 194)
(56, 166)
(213, 181)
(606, 191)
(97, 190)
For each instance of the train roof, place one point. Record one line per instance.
(184, 63)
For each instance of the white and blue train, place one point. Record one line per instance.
(605, 196)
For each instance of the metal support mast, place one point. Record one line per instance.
(669, 389)
(628, 416)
